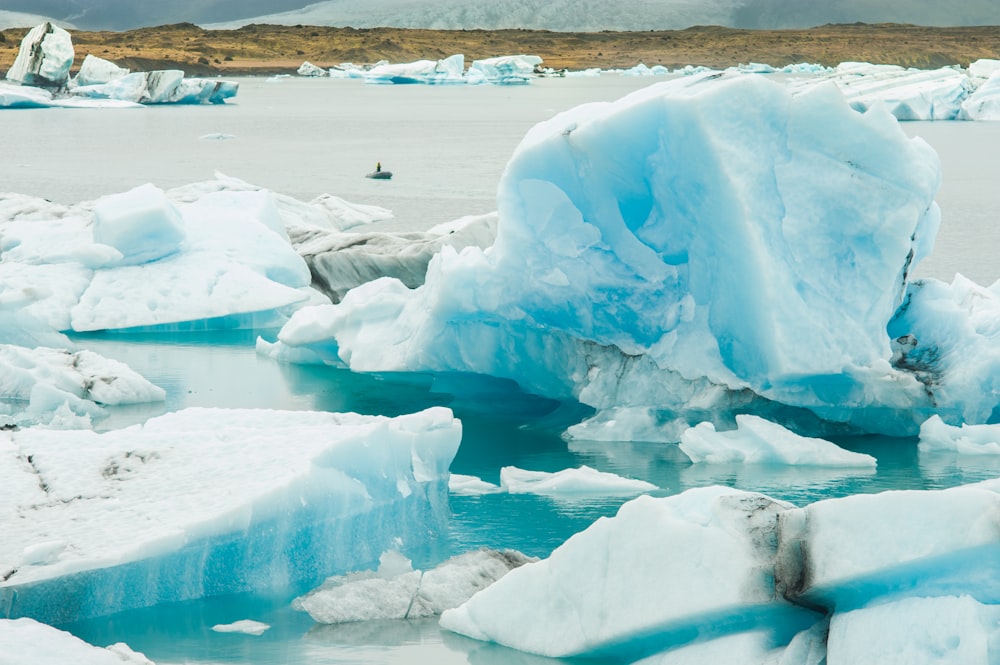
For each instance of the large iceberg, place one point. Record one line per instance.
(720, 575)
(205, 502)
(700, 241)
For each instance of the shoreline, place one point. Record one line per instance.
(261, 50)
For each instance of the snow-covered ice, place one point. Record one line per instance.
(28, 641)
(726, 236)
(396, 591)
(446, 70)
(984, 103)
(95, 71)
(471, 485)
(204, 502)
(760, 441)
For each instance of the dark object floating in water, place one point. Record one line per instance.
(379, 175)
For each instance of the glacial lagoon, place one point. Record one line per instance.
(447, 147)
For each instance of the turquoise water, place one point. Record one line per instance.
(501, 426)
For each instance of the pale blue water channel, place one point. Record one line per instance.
(448, 147)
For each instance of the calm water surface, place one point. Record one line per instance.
(447, 147)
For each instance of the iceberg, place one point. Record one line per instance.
(759, 441)
(17, 96)
(205, 502)
(721, 575)
(28, 641)
(504, 70)
(95, 71)
(727, 240)
(44, 58)
(909, 94)
(671, 570)
(107, 265)
(984, 102)
(936, 436)
(396, 591)
(575, 483)
(309, 69)
(63, 389)
(448, 70)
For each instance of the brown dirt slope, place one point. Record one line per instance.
(264, 49)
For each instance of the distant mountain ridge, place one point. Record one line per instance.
(555, 15)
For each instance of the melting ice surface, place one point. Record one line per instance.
(509, 428)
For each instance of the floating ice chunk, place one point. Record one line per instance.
(583, 481)
(916, 631)
(677, 274)
(94, 70)
(18, 96)
(470, 485)
(625, 423)
(505, 69)
(983, 68)
(756, 68)
(909, 94)
(847, 552)
(396, 591)
(140, 223)
(52, 383)
(209, 501)
(245, 626)
(668, 570)
(984, 103)
(936, 437)
(45, 57)
(948, 336)
(217, 136)
(28, 641)
(759, 441)
(448, 70)
(309, 69)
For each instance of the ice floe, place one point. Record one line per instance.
(204, 502)
(28, 641)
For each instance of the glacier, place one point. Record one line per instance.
(204, 502)
(693, 247)
(721, 575)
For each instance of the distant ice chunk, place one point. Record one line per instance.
(28, 641)
(582, 481)
(245, 626)
(909, 94)
(397, 591)
(504, 70)
(470, 485)
(309, 69)
(205, 502)
(94, 70)
(936, 437)
(45, 57)
(659, 574)
(760, 441)
(447, 70)
(161, 87)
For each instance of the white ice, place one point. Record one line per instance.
(44, 58)
(94, 70)
(471, 485)
(936, 436)
(578, 482)
(720, 575)
(27, 641)
(396, 591)
(244, 626)
(909, 94)
(760, 441)
(505, 69)
(309, 69)
(210, 501)
(64, 389)
(447, 70)
(984, 103)
(709, 249)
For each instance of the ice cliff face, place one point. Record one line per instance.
(696, 242)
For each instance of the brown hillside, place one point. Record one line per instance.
(264, 49)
